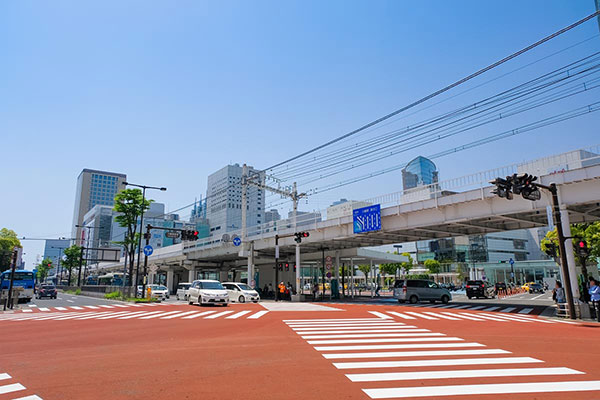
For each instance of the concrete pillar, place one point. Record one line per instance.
(372, 279)
(352, 277)
(251, 266)
(170, 281)
(191, 275)
(337, 273)
(569, 250)
(223, 275)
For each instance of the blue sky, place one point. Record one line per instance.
(168, 92)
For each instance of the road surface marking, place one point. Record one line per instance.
(27, 310)
(495, 388)
(93, 307)
(89, 315)
(477, 307)
(74, 315)
(508, 309)
(105, 306)
(44, 309)
(139, 314)
(330, 320)
(113, 314)
(494, 318)
(523, 318)
(217, 315)
(471, 317)
(159, 314)
(526, 311)
(420, 315)
(4, 376)
(449, 306)
(507, 317)
(32, 397)
(61, 308)
(70, 301)
(490, 308)
(441, 315)
(425, 353)
(181, 314)
(380, 315)
(437, 363)
(466, 373)
(372, 335)
(387, 340)
(237, 315)
(361, 325)
(462, 307)
(121, 305)
(199, 314)
(335, 330)
(76, 307)
(397, 314)
(373, 321)
(32, 305)
(14, 387)
(537, 297)
(399, 346)
(381, 326)
(258, 314)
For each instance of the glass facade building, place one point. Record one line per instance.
(419, 172)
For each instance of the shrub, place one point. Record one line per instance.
(113, 295)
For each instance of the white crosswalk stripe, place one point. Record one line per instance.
(368, 351)
(14, 387)
(526, 311)
(237, 315)
(403, 316)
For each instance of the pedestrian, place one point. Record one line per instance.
(377, 287)
(315, 289)
(558, 294)
(271, 293)
(594, 292)
(281, 288)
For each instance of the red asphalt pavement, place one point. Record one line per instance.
(264, 358)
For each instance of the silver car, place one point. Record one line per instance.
(416, 290)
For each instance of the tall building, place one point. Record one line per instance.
(224, 200)
(419, 172)
(344, 207)
(272, 215)
(53, 249)
(94, 188)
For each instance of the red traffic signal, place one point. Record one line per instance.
(300, 235)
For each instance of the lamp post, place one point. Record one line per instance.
(143, 187)
(60, 249)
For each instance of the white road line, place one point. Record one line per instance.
(494, 318)
(437, 363)
(199, 314)
(442, 316)
(477, 307)
(371, 335)
(139, 314)
(449, 306)
(462, 307)
(93, 307)
(76, 307)
(420, 315)
(120, 305)
(217, 315)
(159, 314)
(537, 297)
(494, 388)
(105, 306)
(506, 317)
(373, 321)
(28, 310)
(472, 318)
(399, 346)
(115, 314)
(526, 311)
(380, 315)
(508, 309)
(397, 314)
(324, 328)
(376, 330)
(14, 387)
(76, 315)
(70, 301)
(490, 309)
(237, 315)
(287, 321)
(522, 318)
(181, 314)
(388, 340)
(32, 397)
(258, 314)
(466, 373)
(4, 376)
(361, 325)
(44, 309)
(425, 353)
(32, 305)
(90, 315)
(61, 308)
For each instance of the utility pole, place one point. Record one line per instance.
(275, 287)
(80, 265)
(145, 278)
(9, 300)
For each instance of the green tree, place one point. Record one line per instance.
(8, 241)
(433, 266)
(130, 204)
(43, 268)
(365, 269)
(72, 260)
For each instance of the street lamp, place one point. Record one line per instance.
(137, 268)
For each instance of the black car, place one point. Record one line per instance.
(46, 291)
(480, 289)
(536, 288)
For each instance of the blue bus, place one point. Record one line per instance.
(24, 279)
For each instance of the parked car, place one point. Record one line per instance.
(46, 290)
(204, 291)
(526, 286)
(536, 288)
(480, 289)
(240, 292)
(156, 291)
(182, 291)
(416, 290)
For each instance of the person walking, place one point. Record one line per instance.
(281, 288)
(558, 294)
(594, 292)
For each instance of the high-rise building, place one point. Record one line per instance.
(94, 188)
(54, 248)
(419, 172)
(224, 200)
(272, 215)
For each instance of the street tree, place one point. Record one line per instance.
(365, 269)
(72, 260)
(433, 266)
(8, 241)
(130, 205)
(43, 268)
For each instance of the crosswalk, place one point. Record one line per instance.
(517, 309)
(463, 316)
(399, 352)
(133, 314)
(9, 388)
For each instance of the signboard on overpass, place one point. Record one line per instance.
(367, 219)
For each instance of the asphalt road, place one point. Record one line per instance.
(272, 351)
(66, 300)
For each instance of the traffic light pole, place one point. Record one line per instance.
(8, 301)
(145, 278)
(80, 265)
(276, 286)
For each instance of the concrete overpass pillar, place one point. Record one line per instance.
(170, 281)
(223, 275)
(337, 273)
(569, 250)
(191, 275)
(251, 266)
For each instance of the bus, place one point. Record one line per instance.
(111, 279)
(24, 279)
(91, 280)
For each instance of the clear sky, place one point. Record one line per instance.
(170, 91)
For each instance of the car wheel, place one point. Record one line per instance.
(241, 299)
(413, 299)
(177, 297)
(225, 305)
(445, 299)
(401, 301)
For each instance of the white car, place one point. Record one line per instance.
(240, 292)
(206, 291)
(156, 291)
(183, 290)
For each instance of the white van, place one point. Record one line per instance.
(204, 291)
(240, 292)
(182, 291)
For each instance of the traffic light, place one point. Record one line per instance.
(503, 187)
(523, 185)
(300, 235)
(287, 266)
(189, 235)
(280, 266)
(294, 267)
(582, 249)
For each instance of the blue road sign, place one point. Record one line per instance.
(237, 241)
(511, 261)
(148, 250)
(367, 219)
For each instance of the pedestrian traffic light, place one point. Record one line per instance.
(582, 249)
(300, 235)
(280, 266)
(294, 267)
(503, 187)
(287, 266)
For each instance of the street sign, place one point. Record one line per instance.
(153, 269)
(367, 219)
(172, 234)
(328, 259)
(328, 266)
(148, 250)
(237, 241)
(328, 275)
